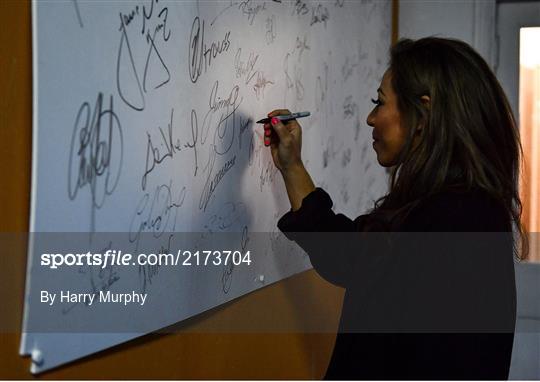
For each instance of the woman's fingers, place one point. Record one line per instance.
(290, 125)
(267, 134)
(284, 139)
(276, 126)
(279, 112)
(280, 129)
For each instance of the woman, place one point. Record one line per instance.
(427, 305)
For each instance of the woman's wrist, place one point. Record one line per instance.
(293, 169)
(298, 183)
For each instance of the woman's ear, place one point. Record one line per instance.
(426, 101)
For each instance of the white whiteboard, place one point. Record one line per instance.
(143, 125)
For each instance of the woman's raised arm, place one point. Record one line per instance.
(285, 141)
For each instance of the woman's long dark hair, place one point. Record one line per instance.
(468, 136)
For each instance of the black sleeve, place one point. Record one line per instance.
(316, 215)
(324, 236)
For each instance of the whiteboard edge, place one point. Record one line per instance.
(25, 337)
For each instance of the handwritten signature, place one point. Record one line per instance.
(251, 9)
(294, 82)
(300, 8)
(226, 276)
(156, 213)
(350, 108)
(100, 279)
(148, 272)
(319, 14)
(330, 152)
(200, 55)
(213, 180)
(153, 154)
(228, 214)
(321, 88)
(221, 116)
(245, 69)
(155, 70)
(270, 29)
(96, 152)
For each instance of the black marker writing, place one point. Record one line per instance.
(96, 152)
(319, 14)
(127, 73)
(128, 81)
(199, 53)
(245, 68)
(212, 180)
(251, 9)
(153, 154)
(194, 137)
(156, 213)
(225, 108)
(261, 84)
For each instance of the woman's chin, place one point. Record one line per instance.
(383, 161)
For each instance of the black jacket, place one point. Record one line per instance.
(433, 300)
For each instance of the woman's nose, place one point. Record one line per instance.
(370, 119)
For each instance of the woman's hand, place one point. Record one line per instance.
(285, 141)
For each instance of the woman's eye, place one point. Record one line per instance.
(377, 102)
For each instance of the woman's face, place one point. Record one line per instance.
(389, 135)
